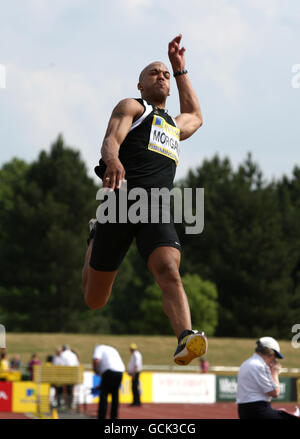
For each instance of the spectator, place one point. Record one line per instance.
(34, 361)
(57, 360)
(4, 363)
(204, 365)
(15, 362)
(108, 364)
(134, 368)
(74, 352)
(69, 358)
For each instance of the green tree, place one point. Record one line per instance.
(12, 181)
(288, 190)
(242, 249)
(44, 242)
(128, 294)
(202, 297)
(203, 300)
(248, 253)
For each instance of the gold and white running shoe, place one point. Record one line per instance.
(191, 344)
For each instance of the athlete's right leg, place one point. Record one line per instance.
(160, 248)
(96, 285)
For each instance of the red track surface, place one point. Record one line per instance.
(5, 415)
(220, 410)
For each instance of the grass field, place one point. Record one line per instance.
(156, 350)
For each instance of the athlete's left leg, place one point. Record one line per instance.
(164, 265)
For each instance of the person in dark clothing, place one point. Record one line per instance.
(108, 364)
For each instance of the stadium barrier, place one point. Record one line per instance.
(226, 388)
(154, 388)
(55, 376)
(180, 388)
(10, 376)
(24, 397)
(37, 396)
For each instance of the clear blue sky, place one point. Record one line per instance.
(68, 62)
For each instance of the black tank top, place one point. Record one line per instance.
(150, 150)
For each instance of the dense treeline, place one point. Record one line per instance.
(250, 247)
(241, 275)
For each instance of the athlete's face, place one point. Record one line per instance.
(154, 82)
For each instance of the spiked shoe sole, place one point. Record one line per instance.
(195, 347)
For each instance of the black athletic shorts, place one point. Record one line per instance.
(113, 239)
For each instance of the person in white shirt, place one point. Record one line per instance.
(58, 361)
(258, 382)
(69, 358)
(108, 364)
(134, 368)
(57, 358)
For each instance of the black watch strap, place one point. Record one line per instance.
(180, 72)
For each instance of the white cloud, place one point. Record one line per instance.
(133, 14)
(54, 102)
(49, 10)
(269, 8)
(216, 36)
(128, 4)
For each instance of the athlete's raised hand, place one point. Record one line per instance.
(176, 54)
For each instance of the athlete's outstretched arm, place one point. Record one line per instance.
(190, 118)
(118, 128)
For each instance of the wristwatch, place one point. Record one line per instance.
(180, 72)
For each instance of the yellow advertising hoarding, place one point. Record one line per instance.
(29, 397)
(10, 376)
(125, 394)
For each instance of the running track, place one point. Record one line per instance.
(220, 410)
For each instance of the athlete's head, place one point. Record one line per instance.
(154, 83)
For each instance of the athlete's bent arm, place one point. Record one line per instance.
(118, 128)
(190, 118)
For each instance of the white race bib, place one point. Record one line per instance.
(164, 138)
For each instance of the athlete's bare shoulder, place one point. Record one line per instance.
(128, 107)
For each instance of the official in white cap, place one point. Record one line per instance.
(258, 382)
